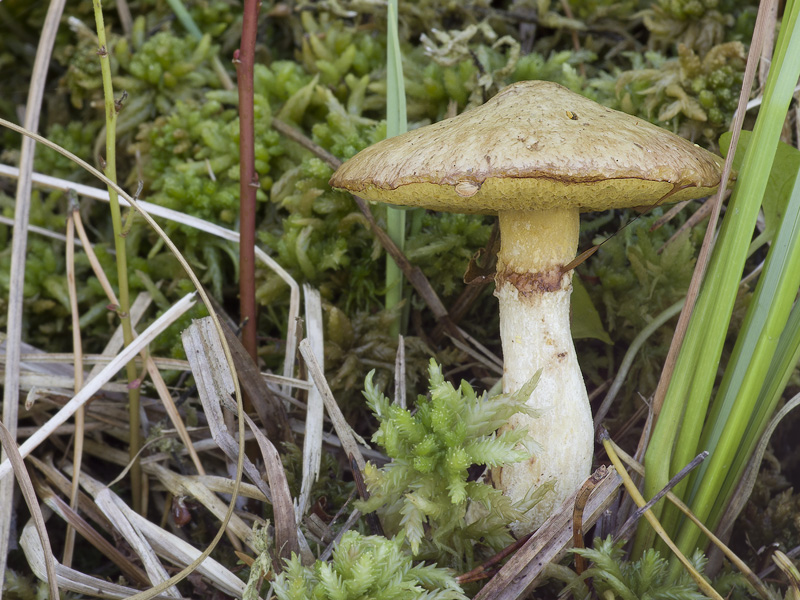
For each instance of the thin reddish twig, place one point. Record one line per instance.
(243, 58)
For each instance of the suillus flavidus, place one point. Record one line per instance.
(537, 155)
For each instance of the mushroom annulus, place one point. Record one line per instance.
(537, 155)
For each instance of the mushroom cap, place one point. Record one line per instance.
(535, 145)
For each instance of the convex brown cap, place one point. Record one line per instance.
(535, 145)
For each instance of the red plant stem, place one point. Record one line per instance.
(243, 59)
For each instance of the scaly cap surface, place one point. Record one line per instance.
(535, 145)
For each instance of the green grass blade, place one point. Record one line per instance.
(750, 188)
(395, 125)
(746, 404)
(395, 86)
(785, 359)
(765, 322)
(687, 399)
(185, 18)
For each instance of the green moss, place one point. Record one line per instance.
(698, 24)
(648, 577)
(692, 95)
(76, 137)
(632, 278)
(424, 494)
(357, 342)
(192, 156)
(366, 567)
(444, 246)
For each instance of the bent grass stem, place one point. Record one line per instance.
(110, 170)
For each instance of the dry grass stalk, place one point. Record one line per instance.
(195, 223)
(332, 440)
(19, 243)
(68, 430)
(97, 269)
(102, 378)
(400, 373)
(137, 310)
(61, 384)
(193, 557)
(24, 480)
(200, 488)
(69, 579)
(181, 553)
(287, 534)
(215, 386)
(62, 484)
(77, 349)
(33, 359)
(312, 442)
(116, 457)
(270, 409)
(223, 485)
(112, 507)
(174, 416)
(211, 389)
(160, 541)
(89, 533)
(346, 434)
(38, 230)
(549, 543)
(115, 342)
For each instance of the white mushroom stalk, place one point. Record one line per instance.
(537, 155)
(534, 296)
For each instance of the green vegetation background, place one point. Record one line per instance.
(321, 68)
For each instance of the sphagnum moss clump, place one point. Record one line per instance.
(366, 567)
(425, 494)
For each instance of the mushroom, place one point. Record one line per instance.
(537, 154)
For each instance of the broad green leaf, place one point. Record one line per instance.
(586, 321)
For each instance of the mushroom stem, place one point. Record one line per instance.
(535, 332)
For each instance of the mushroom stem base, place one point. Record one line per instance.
(535, 332)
